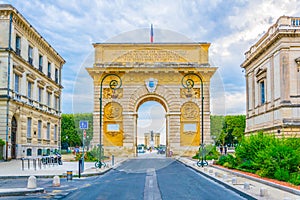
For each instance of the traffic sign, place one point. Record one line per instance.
(83, 124)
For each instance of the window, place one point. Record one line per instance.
(296, 22)
(17, 86)
(48, 99)
(30, 54)
(39, 152)
(56, 75)
(18, 45)
(40, 94)
(48, 131)
(262, 92)
(29, 121)
(39, 129)
(28, 152)
(49, 70)
(40, 63)
(56, 103)
(55, 132)
(29, 92)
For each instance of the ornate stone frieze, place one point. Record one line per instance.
(109, 93)
(190, 93)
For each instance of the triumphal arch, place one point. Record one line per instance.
(176, 75)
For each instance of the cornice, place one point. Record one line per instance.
(26, 28)
(267, 43)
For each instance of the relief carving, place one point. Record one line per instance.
(113, 110)
(190, 111)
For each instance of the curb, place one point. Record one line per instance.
(241, 193)
(19, 191)
(275, 185)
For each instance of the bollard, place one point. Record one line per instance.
(40, 163)
(263, 192)
(80, 169)
(31, 184)
(216, 174)
(56, 181)
(246, 186)
(211, 171)
(69, 175)
(205, 169)
(28, 163)
(234, 181)
(225, 177)
(112, 160)
(34, 164)
(22, 164)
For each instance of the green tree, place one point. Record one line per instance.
(216, 127)
(69, 133)
(89, 132)
(234, 128)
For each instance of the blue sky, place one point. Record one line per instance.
(71, 26)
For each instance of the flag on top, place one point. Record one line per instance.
(151, 34)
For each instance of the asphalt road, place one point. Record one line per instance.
(141, 179)
(154, 179)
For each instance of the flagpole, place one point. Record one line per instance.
(151, 34)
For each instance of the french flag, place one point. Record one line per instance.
(151, 34)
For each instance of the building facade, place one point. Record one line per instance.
(30, 88)
(176, 75)
(272, 71)
(152, 139)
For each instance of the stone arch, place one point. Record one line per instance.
(169, 99)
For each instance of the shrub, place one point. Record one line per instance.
(282, 175)
(2, 143)
(227, 161)
(210, 152)
(295, 178)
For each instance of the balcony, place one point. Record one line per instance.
(30, 102)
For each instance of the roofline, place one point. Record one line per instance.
(148, 43)
(13, 9)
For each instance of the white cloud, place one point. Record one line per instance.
(231, 26)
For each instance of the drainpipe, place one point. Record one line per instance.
(8, 85)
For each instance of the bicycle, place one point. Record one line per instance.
(99, 164)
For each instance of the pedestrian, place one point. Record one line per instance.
(225, 149)
(221, 149)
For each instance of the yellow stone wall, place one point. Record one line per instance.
(167, 64)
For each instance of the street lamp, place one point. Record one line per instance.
(188, 82)
(114, 84)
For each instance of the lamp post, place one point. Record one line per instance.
(114, 84)
(188, 82)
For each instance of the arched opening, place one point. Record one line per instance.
(151, 128)
(13, 137)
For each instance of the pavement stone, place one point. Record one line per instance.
(254, 187)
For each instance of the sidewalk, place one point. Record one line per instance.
(256, 188)
(13, 170)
